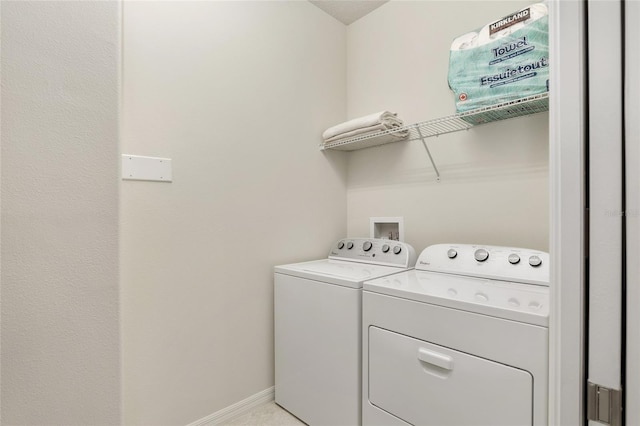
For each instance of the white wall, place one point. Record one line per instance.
(60, 331)
(237, 94)
(494, 187)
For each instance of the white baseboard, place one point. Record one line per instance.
(238, 409)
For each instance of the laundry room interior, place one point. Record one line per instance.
(138, 300)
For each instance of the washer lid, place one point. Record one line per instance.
(339, 272)
(514, 301)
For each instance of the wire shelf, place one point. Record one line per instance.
(444, 125)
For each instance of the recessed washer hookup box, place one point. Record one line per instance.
(505, 60)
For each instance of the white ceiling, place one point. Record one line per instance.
(348, 11)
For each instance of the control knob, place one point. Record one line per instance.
(350, 245)
(451, 253)
(367, 246)
(514, 259)
(535, 261)
(385, 248)
(481, 255)
(397, 249)
(341, 245)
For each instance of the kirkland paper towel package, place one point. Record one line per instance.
(505, 60)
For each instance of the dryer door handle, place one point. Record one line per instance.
(435, 358)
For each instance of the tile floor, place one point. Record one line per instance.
(268, 414)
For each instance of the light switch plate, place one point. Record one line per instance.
(136, 167)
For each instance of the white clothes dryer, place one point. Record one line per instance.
(460, 340)
(318, 328)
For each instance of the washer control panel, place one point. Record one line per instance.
(493, 262)
(374, 251)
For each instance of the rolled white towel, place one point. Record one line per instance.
(369, 130)
(385, 119)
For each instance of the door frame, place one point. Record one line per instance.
(567, 136)
(632, 157)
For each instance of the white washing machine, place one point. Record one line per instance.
(318, 328)
(460, 340)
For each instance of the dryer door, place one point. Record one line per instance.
(422, 383)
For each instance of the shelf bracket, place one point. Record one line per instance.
(424, 143)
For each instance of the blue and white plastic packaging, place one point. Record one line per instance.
(505, 60)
